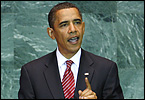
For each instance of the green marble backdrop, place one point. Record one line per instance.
(114, 29)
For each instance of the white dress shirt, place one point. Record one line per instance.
(62, 63)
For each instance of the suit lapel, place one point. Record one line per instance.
(53, 78)
(85, 67)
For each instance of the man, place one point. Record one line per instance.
(44, 78)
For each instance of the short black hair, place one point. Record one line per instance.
(64, 5)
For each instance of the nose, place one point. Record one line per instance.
(72, 28)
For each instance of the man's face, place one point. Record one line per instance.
(68, 30)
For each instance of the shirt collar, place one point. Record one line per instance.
(61, 59)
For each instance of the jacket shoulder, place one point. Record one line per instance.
(96, 58)
(42, 60)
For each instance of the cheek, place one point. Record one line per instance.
(61, 37)
(80, 30)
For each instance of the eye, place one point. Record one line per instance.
(77, 22)
(63, 25)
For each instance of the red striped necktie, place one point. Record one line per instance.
(68, 82)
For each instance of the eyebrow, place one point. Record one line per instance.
(63, 22)
(77, 20)
(68, 21)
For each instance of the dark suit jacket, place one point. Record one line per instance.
(40, 78)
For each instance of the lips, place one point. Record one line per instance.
(73, 40)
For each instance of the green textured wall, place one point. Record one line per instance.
(114, 29)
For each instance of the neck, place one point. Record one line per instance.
(68, 55)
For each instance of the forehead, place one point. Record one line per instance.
(67, 14)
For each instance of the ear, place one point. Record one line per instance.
(83, 27)
(50, 33)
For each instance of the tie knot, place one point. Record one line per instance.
(69, 63)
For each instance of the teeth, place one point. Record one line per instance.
(73, 39)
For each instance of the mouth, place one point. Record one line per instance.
(73, 40)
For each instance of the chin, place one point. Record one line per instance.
(74, 49)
